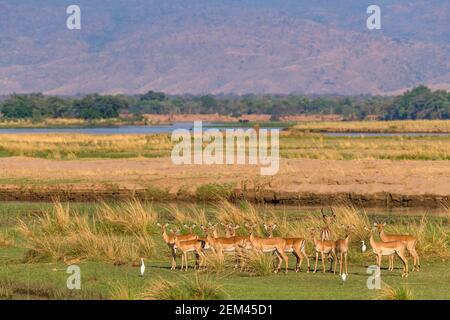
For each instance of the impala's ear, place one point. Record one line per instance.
(159, 224)
(236, 227)
(384, 224)
(186, 226)
(166, 225)
(375, 224)
(193, 226)
(265, 226)
(274, 226)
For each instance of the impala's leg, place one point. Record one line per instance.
(345, 263)
(341, 258)
(333, 253)
(412, 250)
(196, 261)
(174, 255)
(323, 261)
(182, 260)
(306, 256)
(299, 258)
(405, 263)
(280, 260)
(286, 260)
(317, 258)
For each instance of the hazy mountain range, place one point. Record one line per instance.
(223, 46)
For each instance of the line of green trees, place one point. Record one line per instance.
(418, 103)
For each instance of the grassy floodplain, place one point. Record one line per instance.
(423, 126)
(39, 241)
(294, 144)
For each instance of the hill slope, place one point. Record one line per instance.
(223, 46)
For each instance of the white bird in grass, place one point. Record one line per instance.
(142, 267)
(363, 246)
(344, 277)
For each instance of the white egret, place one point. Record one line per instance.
(363, 246)
(142, 267)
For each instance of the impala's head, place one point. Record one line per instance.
(190, 228)
(328, 219)
(379, 226)
(230, 228)
(251, 226)
(269, 228)
(162, 226)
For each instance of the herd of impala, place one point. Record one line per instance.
(389, 245)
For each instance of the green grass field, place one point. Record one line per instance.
(117, 277)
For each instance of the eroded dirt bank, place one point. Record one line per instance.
(305, 182)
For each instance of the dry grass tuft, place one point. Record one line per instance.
(199, 287)
(390, 293)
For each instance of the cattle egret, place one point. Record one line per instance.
(142, 267)
(363, 246)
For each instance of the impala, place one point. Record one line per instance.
(186, 246)
(170, 241)
(296, 246)
(324, 247)
(276, 245)
(342, 249)
(382, 248)
(409, 240)
(220, 245)
(325, 233)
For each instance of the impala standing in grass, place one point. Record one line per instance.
(170, 241)
(324, 247)
(342, 249)
(296, 246)
(409, 240)
(382, 248)
(220, 245)
(186, 246)
(276, 245)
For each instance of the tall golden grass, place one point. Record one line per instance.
(62, 235)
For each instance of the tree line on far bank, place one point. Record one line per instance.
(418, 103)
